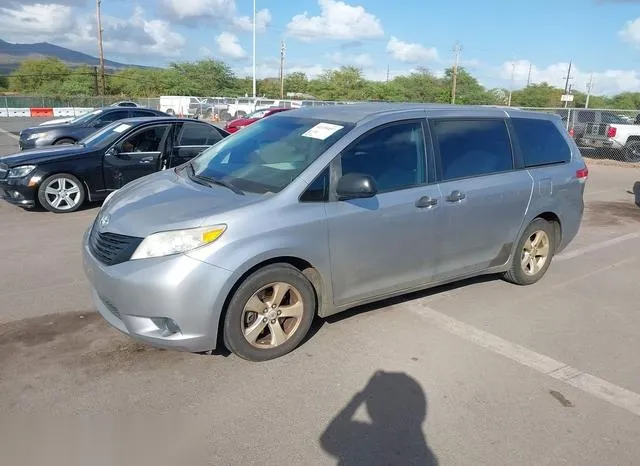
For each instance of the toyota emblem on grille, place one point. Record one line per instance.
(104, 221)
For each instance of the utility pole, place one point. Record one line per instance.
(513, 73)
(254, 50)
(388, 72)
(100, 49)
(566, 85)
(95, 81)
(457, 48)
(283, 51)
(529, 75)
(589, 87)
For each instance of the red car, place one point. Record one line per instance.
(239, 123)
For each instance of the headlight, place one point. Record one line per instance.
(167, 243)
(19, 172)
(37, 136)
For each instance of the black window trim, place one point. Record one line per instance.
(327, 195)
(181, 128)
(436, 147)
(515, 142)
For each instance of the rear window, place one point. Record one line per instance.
(541, 142)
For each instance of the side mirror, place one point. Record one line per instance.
(112, 152)
(356, 186)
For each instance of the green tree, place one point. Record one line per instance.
(537, 95)
(39, 75)
(296, 82)
(468, 90)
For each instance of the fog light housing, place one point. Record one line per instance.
(166, 325)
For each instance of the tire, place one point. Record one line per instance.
(52, 199)
(225, 115)
(64, 141)
(254, 293)
(521, 273)
(632, 151)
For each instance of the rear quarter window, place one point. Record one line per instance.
(540, 142)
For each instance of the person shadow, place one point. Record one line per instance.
(397, 408)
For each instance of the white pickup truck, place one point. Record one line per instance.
(621, 137)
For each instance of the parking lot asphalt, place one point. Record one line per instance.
(480, 372)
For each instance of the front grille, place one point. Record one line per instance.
(111, 248)
(4, 170)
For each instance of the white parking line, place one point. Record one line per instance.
(11, 135)
(618, 396)
(595, 247)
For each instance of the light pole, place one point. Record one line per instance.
(254, 49)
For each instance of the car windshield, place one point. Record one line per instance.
(268, 155)
(86, 117)
(106, 135)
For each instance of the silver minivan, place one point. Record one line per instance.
(314, 211)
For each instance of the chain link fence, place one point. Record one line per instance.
(605, 134)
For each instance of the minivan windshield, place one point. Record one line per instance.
(268, 155)
(106, 135)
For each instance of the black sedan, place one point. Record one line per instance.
(81, 127)
(61, 178)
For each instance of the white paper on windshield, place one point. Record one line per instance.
(322, 131)
(121, 128)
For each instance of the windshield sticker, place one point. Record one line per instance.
(322, 131)
(121, 128)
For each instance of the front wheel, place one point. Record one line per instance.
(61, 193)
(632, 151)
(533, 254)
(270, 313)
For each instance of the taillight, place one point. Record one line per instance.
(612, 131)
(582, 174)
(572, 132)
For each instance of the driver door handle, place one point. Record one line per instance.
(146, 160)
(456, 196)
(426, 201)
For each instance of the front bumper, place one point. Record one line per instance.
(17, 192)
(172, 302)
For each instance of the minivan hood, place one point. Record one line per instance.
(168, 201)
(44, 154)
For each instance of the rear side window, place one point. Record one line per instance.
(541, 142)
(142, 113)
(472, 147)
(195, 134)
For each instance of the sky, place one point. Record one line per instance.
(499, 39)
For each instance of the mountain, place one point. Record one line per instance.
(11, 55)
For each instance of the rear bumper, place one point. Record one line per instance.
(172, 302)
(16, 192)
(598, 143)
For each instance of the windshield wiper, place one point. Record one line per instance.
(213, 181)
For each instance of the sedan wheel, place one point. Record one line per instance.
(535, 253)
(61, 193)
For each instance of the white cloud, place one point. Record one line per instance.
(222, 11)
(205, 51)
(410, 52)
(229, 46)
(35, 23)
(606, 82)
(360, 60)
(271, 70)
(135, 36)
(263, 19)
(631, 32)
(337, 20)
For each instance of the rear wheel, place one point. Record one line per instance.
(61, 193)
(632, 151)
(533, 254)
(270, 313)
